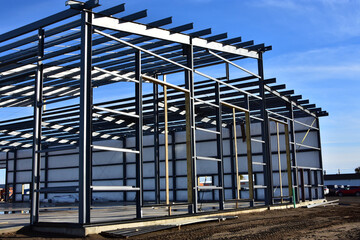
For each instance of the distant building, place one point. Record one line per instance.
(352, 179)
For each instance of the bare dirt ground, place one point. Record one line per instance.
(331, 222)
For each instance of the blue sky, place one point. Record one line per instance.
(316, 48)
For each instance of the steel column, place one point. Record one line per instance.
(173, 158)
(46, 172)
(316, 184)
(320, 158)
(7, 178)
(232, 160)
(238, 187)
(14, 175)
(310, 185)
(248, 151)
(156, 142)
(265, 135)
(190, 131)
(293, 153)
(303, 197)
(279, 160)
(85, 135)
(124, 169)
(219, 146)
(288, 160)
(139, 134)
(38, 112)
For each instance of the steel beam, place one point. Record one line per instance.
(38, 24)
(143, 30)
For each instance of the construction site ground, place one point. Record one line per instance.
(325, 222)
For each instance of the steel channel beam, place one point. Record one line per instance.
(139, 29)
(38, 24)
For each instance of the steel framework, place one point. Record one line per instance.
(60, 60)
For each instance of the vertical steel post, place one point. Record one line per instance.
(248, 150)
(124, 169)
(310, 185)
(227, 71)
(156, 142)
(190, 131)
(85, 119)
(265, 135)
(14, 175)
(303, 197)
(288, 161)
(173, 158)
(232, 160)
(139, 135)
(38, 111)
(219, 146)
(279, 160)
(236, 159)
(46, 173)
(232, 145)
(316, 184)
(293, 154)
(7, 177)
(166, 133)
(320, 158)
